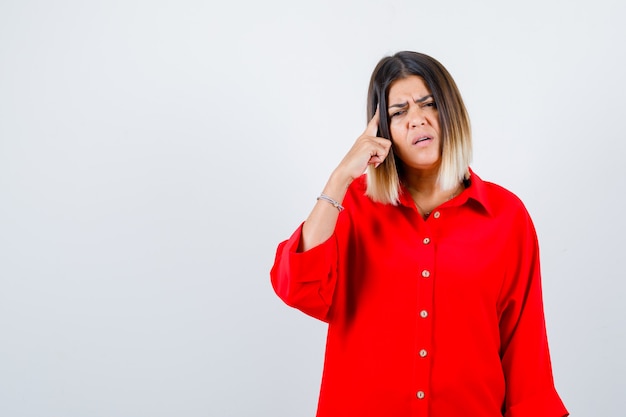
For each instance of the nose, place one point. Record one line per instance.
(417, 117)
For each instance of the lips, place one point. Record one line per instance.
(421, 139)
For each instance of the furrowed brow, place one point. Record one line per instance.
(423, 99)
(398, 105)
(418, 101)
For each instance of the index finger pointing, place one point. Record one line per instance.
(372, 126)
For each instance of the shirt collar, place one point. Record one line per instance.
(476, 191)
(475, 194)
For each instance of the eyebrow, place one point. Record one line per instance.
(419, 100)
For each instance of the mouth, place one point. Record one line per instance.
(421, 139)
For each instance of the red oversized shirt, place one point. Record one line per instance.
(440, 317)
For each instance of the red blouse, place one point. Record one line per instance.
(440, 317)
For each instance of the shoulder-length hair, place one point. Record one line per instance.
(383, 183)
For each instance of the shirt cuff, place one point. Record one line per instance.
(546, 404)
(312, 264)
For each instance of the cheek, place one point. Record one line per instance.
(396, 133)
(435, 123)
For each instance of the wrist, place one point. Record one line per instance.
(337, 184)
(336, 204)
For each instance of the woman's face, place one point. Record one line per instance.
(414, 124)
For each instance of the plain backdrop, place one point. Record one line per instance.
(154, 153)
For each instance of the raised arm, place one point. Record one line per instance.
(305, 270)
(368, 149)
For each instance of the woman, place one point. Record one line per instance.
(427, 275)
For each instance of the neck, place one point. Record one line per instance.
(422, 182)
(426, 193)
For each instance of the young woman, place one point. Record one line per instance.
(427, 276)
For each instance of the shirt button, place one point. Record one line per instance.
(423, 353)
(425, 273)
(420, 395)
(423, 314)
(436, 215)
(426, 241)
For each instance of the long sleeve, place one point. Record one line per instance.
(524, 346)
(306, 280)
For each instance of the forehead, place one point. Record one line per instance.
(411, 87)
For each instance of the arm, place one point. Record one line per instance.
(524, 345)
(305, 269)
(367, 150)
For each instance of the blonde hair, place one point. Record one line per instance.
(384, 182)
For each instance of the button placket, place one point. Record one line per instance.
(424, 307)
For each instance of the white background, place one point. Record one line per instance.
(154, 153)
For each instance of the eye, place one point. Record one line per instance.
(430, 104)
(398, 113)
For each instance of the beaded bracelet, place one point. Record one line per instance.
(335, 203)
